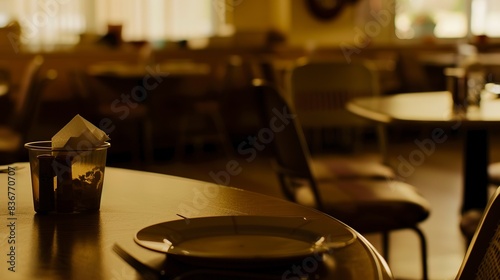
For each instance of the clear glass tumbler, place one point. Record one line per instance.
(65, 180)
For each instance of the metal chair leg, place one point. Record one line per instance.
(385, 245)
(423, 249)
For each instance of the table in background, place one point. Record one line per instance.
(173, 97)
(79, 246)
(435, 109)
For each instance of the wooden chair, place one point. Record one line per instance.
(319, 91)
(482, 260)
(14, 134)
(366, 204)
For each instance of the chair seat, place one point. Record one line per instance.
(369, 206)
(331, 168)
(469, 222)
(494, 173)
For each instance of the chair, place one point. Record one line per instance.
(482, 260)
(237, 103)
(99, 96)
(195, 105)
(319, 91)
(14, 134)
(368, 205)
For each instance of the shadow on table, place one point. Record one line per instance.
(58, 247)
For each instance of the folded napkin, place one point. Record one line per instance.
(78, 133)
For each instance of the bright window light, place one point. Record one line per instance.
(53, 22)
(484, 18)
(446, 18)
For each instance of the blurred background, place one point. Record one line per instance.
(168, 81)
(100, 52)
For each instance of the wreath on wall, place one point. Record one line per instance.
(327, 9)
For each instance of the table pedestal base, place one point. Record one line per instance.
(475, 195)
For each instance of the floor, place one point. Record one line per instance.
(437, 176)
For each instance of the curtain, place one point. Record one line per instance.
(47, 23)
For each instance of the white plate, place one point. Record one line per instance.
(244, 239)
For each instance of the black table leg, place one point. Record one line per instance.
(475, 193)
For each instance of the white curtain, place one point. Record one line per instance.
(157, 19)
(45, 22)
(485, 17)
(51, 22)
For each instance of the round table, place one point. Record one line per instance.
(435, 110)
(80, 246)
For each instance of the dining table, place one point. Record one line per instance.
(170, 92)
(147, 82)
(435, 110)
(116, 242)
(140, 80)
(134, 70)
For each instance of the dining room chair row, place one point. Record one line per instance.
(369, 199)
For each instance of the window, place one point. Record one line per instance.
(158, 19)
(485, 15)
(46, 23)
(447, 18)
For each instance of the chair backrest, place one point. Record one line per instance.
(291, 152)
(87, 90)
(482, 260)
(29, 96)
(329, 85)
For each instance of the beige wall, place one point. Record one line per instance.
(308, 30)
(252, 15)
(293, 18)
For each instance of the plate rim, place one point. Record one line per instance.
(210, 256)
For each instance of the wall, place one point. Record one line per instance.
(369, 18)
(261, 15)
(306, 30)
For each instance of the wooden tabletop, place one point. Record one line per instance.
(180, 68)
(423, 107)
(80, 246)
